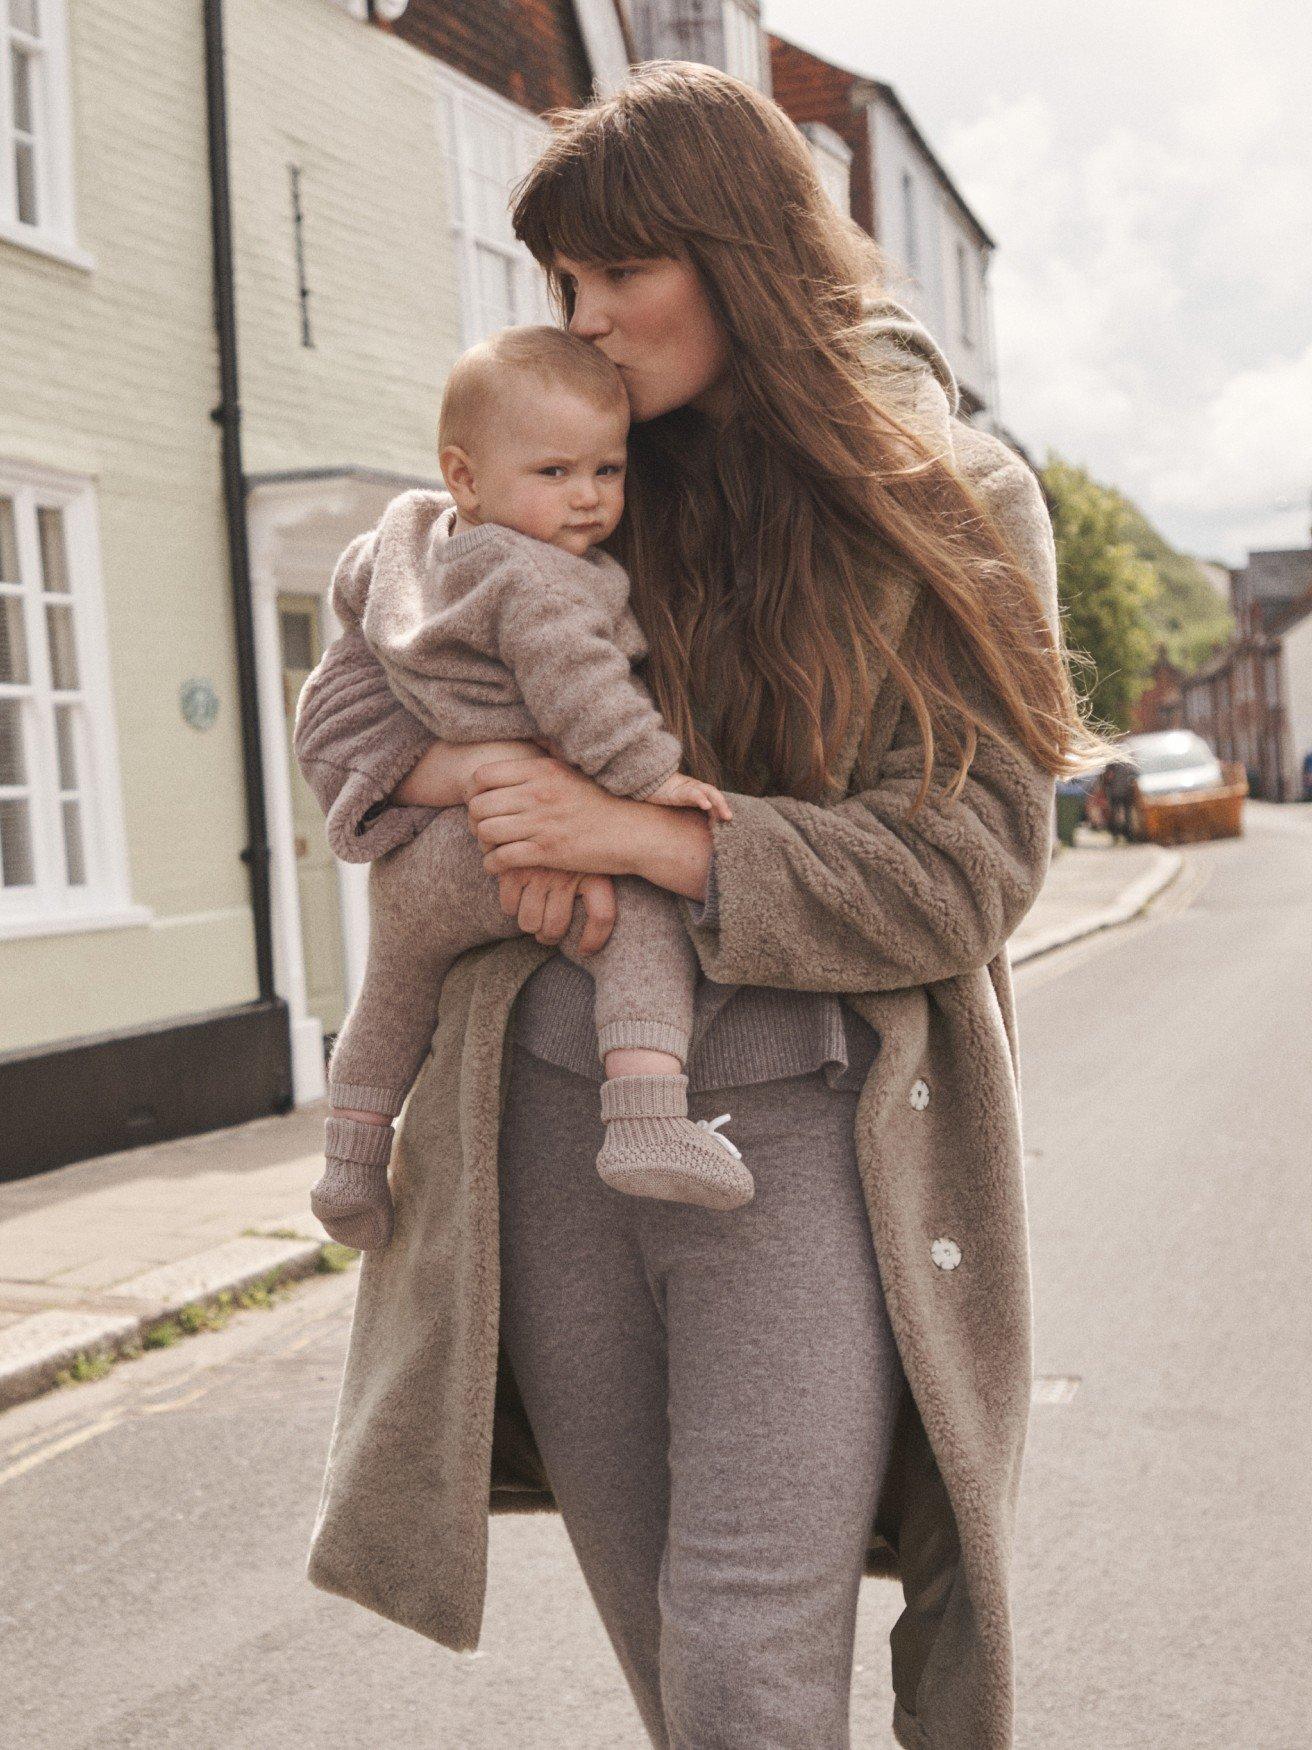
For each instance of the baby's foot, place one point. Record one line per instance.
(351, 1196)
(653, 1149)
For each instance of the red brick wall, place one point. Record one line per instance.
(811, 90)
(1159, 705)
(527, 50)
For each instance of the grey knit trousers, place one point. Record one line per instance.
(713, 1396)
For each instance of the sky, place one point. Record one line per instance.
(1145, 168)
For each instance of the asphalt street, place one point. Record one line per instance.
(154, 1522)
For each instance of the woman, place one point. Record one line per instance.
(850, 601)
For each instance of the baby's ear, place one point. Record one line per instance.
(458, 472)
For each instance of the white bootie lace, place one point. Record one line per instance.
(710, 1126)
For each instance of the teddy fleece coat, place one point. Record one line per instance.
(909, 920)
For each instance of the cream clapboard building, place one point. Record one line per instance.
(123, 905)
(370, 242)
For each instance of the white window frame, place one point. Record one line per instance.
(462, 106)
(53, 230)
(50, 906)
(744, 44)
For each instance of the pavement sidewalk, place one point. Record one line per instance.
(95, 1254)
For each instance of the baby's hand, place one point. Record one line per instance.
(680, 792)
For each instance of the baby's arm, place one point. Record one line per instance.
(580, 688)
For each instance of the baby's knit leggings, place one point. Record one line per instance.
(430, 900)
(713, 1395)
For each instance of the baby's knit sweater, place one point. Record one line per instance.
(523, 638)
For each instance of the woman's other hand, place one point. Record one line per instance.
(438, 777)
(542, 902)
(544, 813)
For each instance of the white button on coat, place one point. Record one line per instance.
(946, 1253)
(920, 1095)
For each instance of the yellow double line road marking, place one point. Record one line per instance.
(102, 1425)
(64, 1444)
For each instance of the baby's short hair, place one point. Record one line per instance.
(552, 357)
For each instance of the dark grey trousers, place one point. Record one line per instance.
(713, 1396)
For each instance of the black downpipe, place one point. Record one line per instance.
(227, 415)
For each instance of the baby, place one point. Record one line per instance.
(496, 616)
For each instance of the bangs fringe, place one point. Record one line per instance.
(579, 199)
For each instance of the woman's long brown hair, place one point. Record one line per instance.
(756, 546)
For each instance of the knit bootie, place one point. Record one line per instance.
(351, 1196)
(653, 1149)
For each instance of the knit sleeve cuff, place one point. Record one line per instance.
(361, 823)
(705, 913)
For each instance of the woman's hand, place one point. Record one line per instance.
(543, 813)
(438, 777)
(542, 901)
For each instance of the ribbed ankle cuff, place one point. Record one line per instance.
(644, 1097)
(364, 1097)
(637, 1035)
(347, 1139)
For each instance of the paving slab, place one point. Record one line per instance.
(1093, 886)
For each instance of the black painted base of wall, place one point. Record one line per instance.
(96, 1095)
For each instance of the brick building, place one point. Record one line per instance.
(1253, 701)
(1159, 706)
(898, 189)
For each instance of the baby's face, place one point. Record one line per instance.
(553, 468)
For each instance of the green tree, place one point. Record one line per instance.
(1107, 590)
(1187, 615)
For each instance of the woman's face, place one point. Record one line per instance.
(654, 322)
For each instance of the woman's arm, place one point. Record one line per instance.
(857, 897)
(377, 773)
(849, 897)
(438, 778)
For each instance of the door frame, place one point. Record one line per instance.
(299, 523)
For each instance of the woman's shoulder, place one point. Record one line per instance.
(1010, 489)
(980, 455)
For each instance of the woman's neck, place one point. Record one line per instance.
(716, 402)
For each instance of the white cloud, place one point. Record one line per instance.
(1144, 170)
(1249, 451)
(1137, 285)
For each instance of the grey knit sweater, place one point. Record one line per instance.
(761, 1033)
